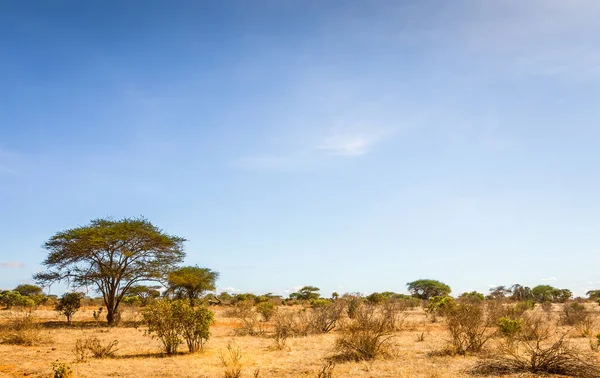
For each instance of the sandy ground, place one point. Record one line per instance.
(140, 356)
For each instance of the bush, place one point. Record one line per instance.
(195, 325)
(573, 313)
(175, 321)
(232, 361)
(62, 370)
(325, 315)
(467, 324)
(439, 306)
(539, 356)
(509, 327)
(366, 337)
(266, 310)
(69, 304)
(23, 330)
(353, 302)
(94, 347)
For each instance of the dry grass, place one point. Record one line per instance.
(140, 356)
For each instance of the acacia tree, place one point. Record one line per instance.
(111, 256)
(426, 289)
(191, 282)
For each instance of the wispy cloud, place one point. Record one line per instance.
(548, 279)
(338, 144)
(348, 145)
(12, 264)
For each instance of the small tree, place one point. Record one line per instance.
(191, 282)
(69, 304)
(426, 289)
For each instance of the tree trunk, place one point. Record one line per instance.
(110, 315)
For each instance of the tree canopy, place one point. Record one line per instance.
(111, 256)
(191, 282)
(426, 289)
(28, 290)
(306, 293)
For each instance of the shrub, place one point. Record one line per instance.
(23, 330)
(325, 315)
(353, 302)
(473, 297)
(439, 306)
(266, 310)
(232, 361)
(175, 321)
(195, 325)
(467, 324)
(94, 347)
(62, 370)
(292, 324)
(539, 356)
(509, 327)
(573, 313)
(251, 325)
(366, 337)
(69, 304)
(326, 370)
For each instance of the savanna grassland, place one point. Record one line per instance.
(416, 343)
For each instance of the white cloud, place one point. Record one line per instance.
(347, 145)
(12, 264)
(548, 279)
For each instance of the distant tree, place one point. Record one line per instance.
(13, 298)
(547, 293)
(191, 282)
(498, 293)
(593, 295)
(471, 297)
(335, 295)
(28, 290)
(376, 298)
(111, 255)
(306, 293)
(521, 293)
(69, 304)
(426, 289)
(144, 293)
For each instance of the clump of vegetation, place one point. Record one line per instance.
(538, 348)
(68, 305)
(250, 323)
(366, 337)
(539, 357)
(439, 306)
(326, 370)
(92, 346)
(353, 302)
(174, 322)
(509, 328)
(266, 310)
(62, 370)
(325, 315)
(232, 361)
(23, 330)
(468, 327)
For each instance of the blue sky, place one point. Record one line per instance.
(350, 145)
